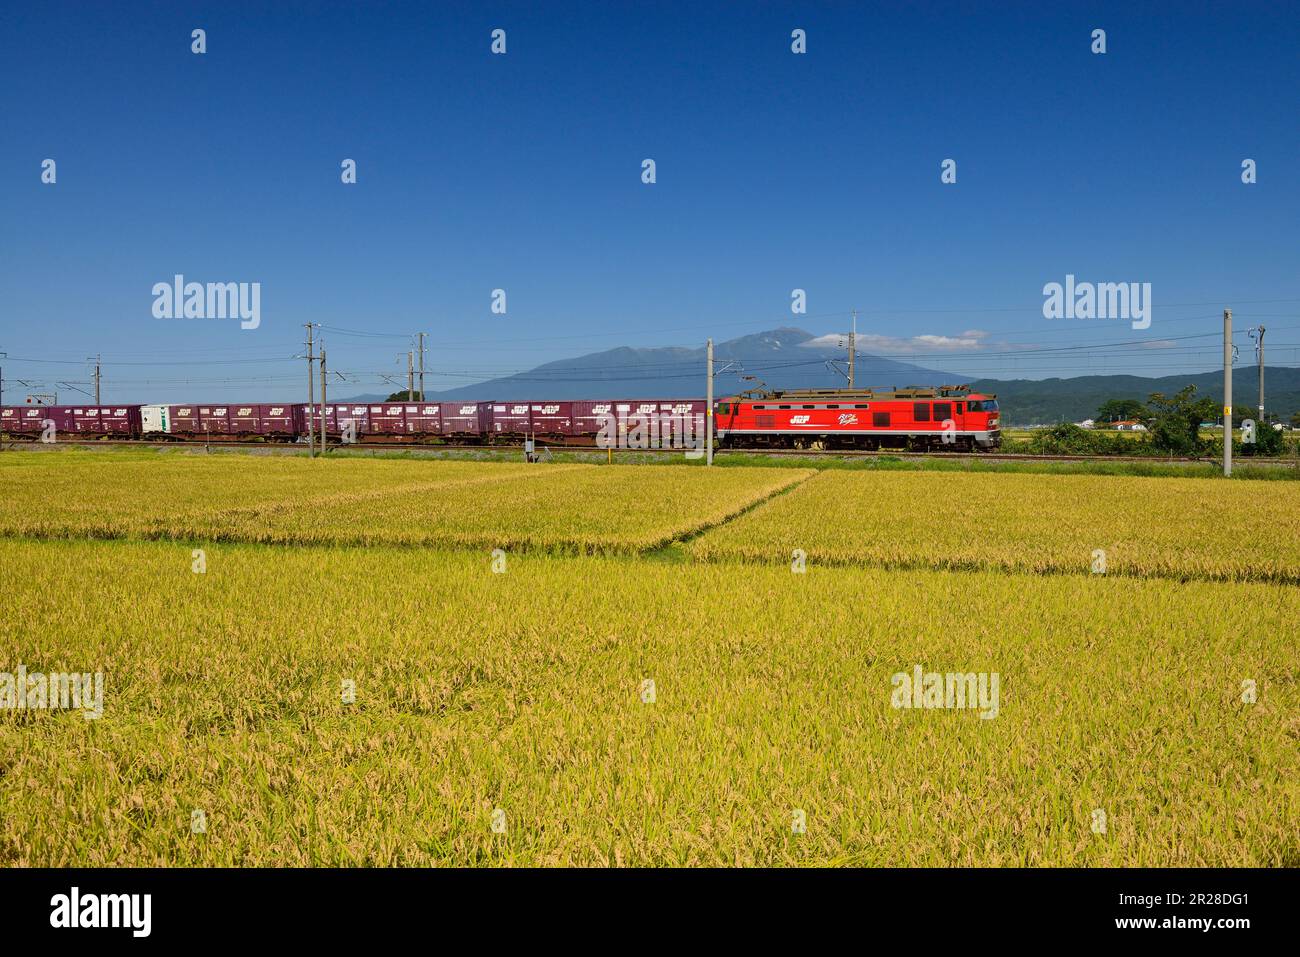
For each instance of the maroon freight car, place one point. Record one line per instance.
(672, 417)
(340, 419)
(510, 419)
(354, 419)
(466, 420)
(280, 421)
(183, 420)
(387, 420)
(214, 420)
(312, 412)
(119, 420)
(589, 417)
(551, 419)
(423, 420)
(23, 419)
(245, 420)
(11, 420)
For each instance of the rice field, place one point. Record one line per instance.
(116, 494)
(348, 501)
(521, 690)
(1162, 527)
(570, 508)
(639, 677)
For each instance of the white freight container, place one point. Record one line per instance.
(154, 418)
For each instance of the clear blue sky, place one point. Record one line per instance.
(523, 172)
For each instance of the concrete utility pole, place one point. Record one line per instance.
(1258, 334)
(324, 427)
(311, 392)
(421, 366)
(3, 355)
(853, 346)
(1227, 392)
(410, 377)
(708, 412)
(96, 361)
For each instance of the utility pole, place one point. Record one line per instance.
(96, 361)
(324, 427)
(410, 377)
(3, 355)
(1258, 334)
(1227, 392)
(708, 412)
(853, 346)
(311, 392)
(421, 335)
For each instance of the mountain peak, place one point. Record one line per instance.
(780, 358)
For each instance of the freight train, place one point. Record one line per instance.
(559, 422)
(914, 418)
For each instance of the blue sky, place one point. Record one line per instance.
(775, 171)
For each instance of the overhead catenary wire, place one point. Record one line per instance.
(1004, 358)
(1052, 328)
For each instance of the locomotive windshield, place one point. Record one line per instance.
(982, 405)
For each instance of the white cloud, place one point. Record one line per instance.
(968, 341)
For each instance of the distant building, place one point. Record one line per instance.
(1086, 424)
(1129, 426)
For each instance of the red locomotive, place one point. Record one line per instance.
(941, 417)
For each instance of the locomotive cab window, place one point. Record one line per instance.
(921, 411)
(959, 408)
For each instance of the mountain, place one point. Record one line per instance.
(780, 359)
(362, 397)
(790, 358)
(1046, 401)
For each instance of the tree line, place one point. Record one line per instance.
(1173, 425)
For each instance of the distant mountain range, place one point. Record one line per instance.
(790, 358)
(1045, 401)
(781, 358)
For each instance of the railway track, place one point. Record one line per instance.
(1005, 456)
(297, 448)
